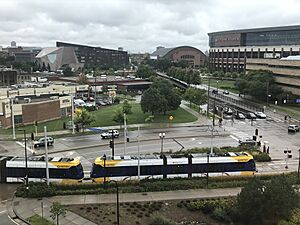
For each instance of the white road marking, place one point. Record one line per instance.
(233, 137)
(23, 145)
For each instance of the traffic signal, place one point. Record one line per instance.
(256, 132)
(111, 144)
(35, 123)
(254, 138)
(127, 139)
(32, 136)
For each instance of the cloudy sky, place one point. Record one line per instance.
(136, 25)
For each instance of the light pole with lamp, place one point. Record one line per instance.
(162, 136)
(288, 154)
(104, 166)
(26, 165)
(12, 117)
(298, 172)
(118, 209)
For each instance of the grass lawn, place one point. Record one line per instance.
(38, 220)
(293, 111)
(224, 84)
(103, 117)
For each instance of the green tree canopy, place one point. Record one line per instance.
(83, 117)
(196, 96)
(118, 116)
(259, 84)
(260, 203)
(145, 71)
(56, 211)
(160, 97)
(126, 107)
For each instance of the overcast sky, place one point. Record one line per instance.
(136, 25)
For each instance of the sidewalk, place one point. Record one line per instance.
(26, 207)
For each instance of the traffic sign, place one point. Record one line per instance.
(171, 117)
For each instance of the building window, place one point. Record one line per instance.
(18, 119)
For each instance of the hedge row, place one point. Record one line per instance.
(152, 185)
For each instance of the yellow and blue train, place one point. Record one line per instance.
(122, 168)
(64, 170)
(69, 170)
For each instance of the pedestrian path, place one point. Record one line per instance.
(24, 208)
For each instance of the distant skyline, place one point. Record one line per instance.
(136, 25)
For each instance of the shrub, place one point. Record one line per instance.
(262, 157)
(221, 215)
(160, 220)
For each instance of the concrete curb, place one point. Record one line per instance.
(12, 212)
(117, 143)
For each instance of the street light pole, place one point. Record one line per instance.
(46, 155)
(104, 166)
(139, 166)
(298, 173)
(26, 164)
(125, 133)
(118, 209)
(12, 117)
(208, 93)
(72, 113)
(162, 136)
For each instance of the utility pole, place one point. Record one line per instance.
(46, 155)
(125, 134)
(139, 166)
(12, 118)
(211, 142)
(298, 173)
(208, 93)
(267, 93)
(112, 143)
(72, 113)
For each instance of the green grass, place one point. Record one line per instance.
(293, 111)
(224, 84)
(104, 116)
(38, 220)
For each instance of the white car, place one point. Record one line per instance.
(108, 134)
(260, 115)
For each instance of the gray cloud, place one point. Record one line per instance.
(137, 25)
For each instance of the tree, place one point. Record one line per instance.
(126, 107)
(82, 79)
(83, 117)
(260, 203)
(118, 116)
(152, 101)
(56, 211)
(145, 71)
(67, 71)
(196, 96)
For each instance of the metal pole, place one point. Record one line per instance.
(298, 173)
(73, 125)
(214, 109)
(12, 118)
(208, 92)
(211, 142)
(267, 93)
(207, 170)
(125, 135)
(46, 154)
(95, 88)
(139, 167)
(104, 164)
(26, 164)
(118, 209)
(113, 143)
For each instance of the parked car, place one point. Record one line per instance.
(247, 142)
(41, 142)
(214, 91)
(250, 115)
(100, 102)
(293, 128)
(108, 134)
(260, 115)
(226, 92)
(240, 116)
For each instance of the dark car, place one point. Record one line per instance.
(214, 91)
(41, 142)
(251, 116)
(240, 116)
(226, 92)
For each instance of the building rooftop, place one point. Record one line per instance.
(161, 52)
(260, 29)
